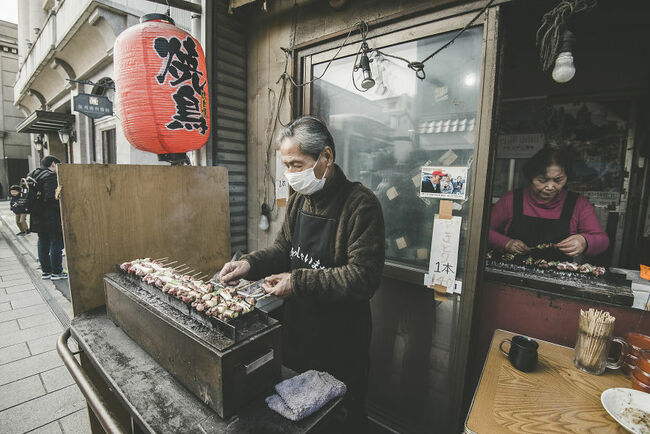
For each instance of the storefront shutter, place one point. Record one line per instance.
(229, 136)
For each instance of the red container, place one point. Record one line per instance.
(637, 385)
(637, 343)
(162, 88)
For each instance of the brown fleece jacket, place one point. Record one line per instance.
(358, 249)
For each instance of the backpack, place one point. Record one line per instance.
(31, 190)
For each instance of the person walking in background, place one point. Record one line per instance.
(18, 207)
(46, 220)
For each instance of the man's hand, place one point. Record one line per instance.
(233, 271)
(573, 245)
(517, 246)
(278, 285)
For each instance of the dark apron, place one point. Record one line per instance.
(537, 230)
(326, 336)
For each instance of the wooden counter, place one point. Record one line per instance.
(556, 397)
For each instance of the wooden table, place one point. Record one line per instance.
(556, 397)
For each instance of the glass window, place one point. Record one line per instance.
(386, 135)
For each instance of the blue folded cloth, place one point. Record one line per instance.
(304, 394)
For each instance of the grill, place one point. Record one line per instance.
(224, 363)
(610, 287)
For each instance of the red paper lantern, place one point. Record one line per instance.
(162, 88)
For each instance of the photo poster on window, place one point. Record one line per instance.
(443, 182)
(443, 261)
(281, 184)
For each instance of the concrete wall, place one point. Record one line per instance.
(13, 146)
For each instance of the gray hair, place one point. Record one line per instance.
(311, 135)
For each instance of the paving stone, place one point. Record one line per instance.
(20, 391)
(20, 281)
(76, 423)
(9, 277)
(30, 334)
(13, 352)
(23, 312)
(19, 288)
(18, 296)
(46, 343)
(29, 366)
(9, 326)
(41, 411)
(36, 320)
(50, 428)
(5, 307)
(56, 379)
(27, 301)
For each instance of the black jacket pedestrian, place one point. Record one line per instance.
(45, 212)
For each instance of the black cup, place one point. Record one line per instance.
(522, 354)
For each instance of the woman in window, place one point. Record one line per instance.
(547, 213)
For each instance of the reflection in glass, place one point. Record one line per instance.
(385, 135)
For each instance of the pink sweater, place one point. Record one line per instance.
(584, 220)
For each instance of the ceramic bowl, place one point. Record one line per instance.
(626, 406)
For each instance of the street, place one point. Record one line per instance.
(37, 394)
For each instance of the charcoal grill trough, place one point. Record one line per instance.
(223, 363)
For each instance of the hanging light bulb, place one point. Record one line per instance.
(364, 64)
(564, 69)
(264, 218)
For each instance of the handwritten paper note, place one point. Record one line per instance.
(281, 184)
(444, 252)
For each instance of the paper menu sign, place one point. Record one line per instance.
(443, 259)
(281, 184)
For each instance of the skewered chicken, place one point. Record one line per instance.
(212, 299)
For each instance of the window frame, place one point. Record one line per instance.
(403, 31)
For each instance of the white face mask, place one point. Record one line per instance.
(305, 182)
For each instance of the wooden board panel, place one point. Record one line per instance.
(113, 213)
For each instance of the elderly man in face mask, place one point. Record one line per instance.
(326, 262)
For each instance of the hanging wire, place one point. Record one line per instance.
(553, 23)
(286, 79)
(418, 67)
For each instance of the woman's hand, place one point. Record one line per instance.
(517, 246)
(233, 271)
(573, 245)
(278, 285)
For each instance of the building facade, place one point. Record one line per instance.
(14, 147)
(68, 50)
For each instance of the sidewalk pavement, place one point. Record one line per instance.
(37, 394)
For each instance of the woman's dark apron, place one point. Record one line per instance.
(318, 334)
(537, 230)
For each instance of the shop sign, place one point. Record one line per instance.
(519, 145)
(443, 262)
(93, 106)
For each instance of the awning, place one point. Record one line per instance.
(42, 121)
